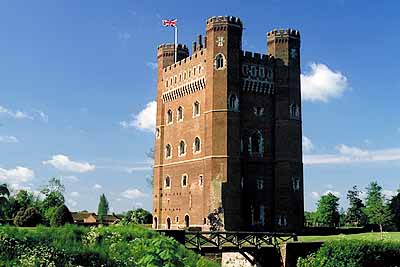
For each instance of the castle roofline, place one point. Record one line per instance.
(171, 45)
(224, 19)
(283, 32)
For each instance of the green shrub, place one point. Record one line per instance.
(114, 246)
(354, 253)
(61, 216)
(29, 217)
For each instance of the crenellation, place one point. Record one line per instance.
(284, 33)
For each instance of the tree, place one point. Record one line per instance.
(395, 208)
(24, 199)
(355, 213)
(376, 210)
(310, 218)
(4, 196)
(327, 210)
(103, 207)
(138, 216)
(29, 217)
(61, 216)
(54, 198)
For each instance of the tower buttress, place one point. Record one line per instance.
(284, 45)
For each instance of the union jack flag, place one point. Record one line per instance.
(169, 22)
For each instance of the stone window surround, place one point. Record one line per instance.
(167, 182)
(196, 114)
(168, 147)
(184, 148)
(177, 114)
(194, 145)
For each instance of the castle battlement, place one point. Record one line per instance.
(253, 57)
(224, 19)
(172, 46)
(283, 33)
(186, 62)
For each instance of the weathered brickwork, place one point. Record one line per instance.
(228, 134)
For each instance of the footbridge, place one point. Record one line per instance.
(262, 248)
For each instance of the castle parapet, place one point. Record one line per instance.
(283, 33)
(256, 58)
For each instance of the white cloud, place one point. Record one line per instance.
(17, 175)
(352, 151)
(43, 115)
(8, 139)
(389, 193)
(15, 114)
(72, 203)
(70, 178)
(315, 195)
(63, 163)
(307, 144)
(152, 65)
(97, 186)
(322, 83)
(133, 193)
(74, 194)
(348, 155)
(144, 120)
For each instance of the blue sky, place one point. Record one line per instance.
(77, 81)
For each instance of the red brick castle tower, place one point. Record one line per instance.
(228, 136)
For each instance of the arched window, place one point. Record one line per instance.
(155, 223)
(233, 102)
(294, 111)
(256, 143)
(184, 180)
(201, 180)
(167, 182)
(187, 220)
(169, 116)
(182, 148)
(219, 62)
(196, 145)
(168, 223)
(168, 151)
(158, 133)
(180, 114)
(196, 109)
(296, 184)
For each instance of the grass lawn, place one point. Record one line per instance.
(387, 236)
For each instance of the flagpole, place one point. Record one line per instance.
(176, 43)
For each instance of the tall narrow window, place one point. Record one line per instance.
(294, 111)
(233, 102)
(180, 114)
(260, 183)
(201, 180)
(196, 109)
(182, 148)
(219, 62)
(167, 182)
(168, 151)
(256, 143)
(169, 116)
(196, 145)
(184, 180)
(296, 184)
